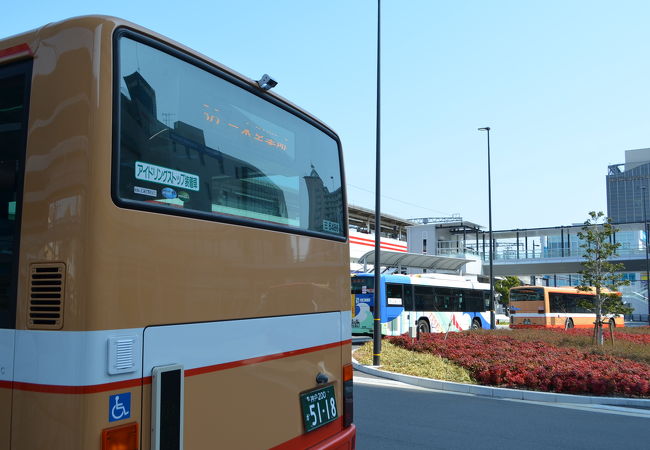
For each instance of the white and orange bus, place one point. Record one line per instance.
(553, 307)
(173, 251)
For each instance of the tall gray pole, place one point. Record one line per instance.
(492, 316)
(647, 264)
(376, 353)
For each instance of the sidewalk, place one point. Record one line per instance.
(488, 391)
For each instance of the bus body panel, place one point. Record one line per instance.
(236, 379)
(439, 321)
(122, 265)
(6, 382)
(64, 375)
(66, 420)
(62, 383)
(73, 219)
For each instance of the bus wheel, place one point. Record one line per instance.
(569, 323)
(476, 324)
(423, 326)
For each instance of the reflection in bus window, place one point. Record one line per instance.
(12, 135)
(192, 141)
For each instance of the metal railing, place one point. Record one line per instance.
(509, 253)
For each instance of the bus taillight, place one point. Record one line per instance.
(124, 437)
(348, 406)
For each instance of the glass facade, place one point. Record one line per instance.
(625, 193)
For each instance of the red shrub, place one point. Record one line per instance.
(622, 335)
(503, 361)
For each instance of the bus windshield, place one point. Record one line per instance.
(363, 285)
(192, 143)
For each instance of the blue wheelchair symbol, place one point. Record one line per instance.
(119, 407)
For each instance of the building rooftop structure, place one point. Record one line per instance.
(628, 187)
(363, 220)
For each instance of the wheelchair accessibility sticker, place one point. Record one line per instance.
(119, 406)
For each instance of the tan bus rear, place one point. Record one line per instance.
(174, 251)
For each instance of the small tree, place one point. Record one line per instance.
(503, 286)
(598, 273)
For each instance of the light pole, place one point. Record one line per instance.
(492, 317)
(376, 338)
(647, 264)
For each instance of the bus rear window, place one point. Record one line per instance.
(523, 295)
(192, 143)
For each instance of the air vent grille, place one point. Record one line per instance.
(121, 354)
(46, 295)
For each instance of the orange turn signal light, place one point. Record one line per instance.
(124, 437)
(347, 372)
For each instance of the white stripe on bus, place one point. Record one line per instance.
(79, 358)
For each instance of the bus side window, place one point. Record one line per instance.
(459, 300)
(394, 294)
(443, 299)
(555, 303)
(581, 309)
(409, 301)
(473, 301)
(424, 299)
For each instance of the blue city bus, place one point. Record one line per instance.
(427, 302)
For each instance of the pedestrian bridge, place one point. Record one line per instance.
(566, 261)
(544, 251)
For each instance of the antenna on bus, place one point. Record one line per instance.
(267, 82)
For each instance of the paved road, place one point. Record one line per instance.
(392, 415)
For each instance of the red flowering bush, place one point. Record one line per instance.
(622, 335)
(498, 360)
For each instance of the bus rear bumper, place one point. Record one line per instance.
(345, 440)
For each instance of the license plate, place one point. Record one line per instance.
(318, 407)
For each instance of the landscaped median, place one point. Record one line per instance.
(538, 360)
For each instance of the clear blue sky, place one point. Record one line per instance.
(564, 85)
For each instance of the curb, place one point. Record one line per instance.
(506, 393)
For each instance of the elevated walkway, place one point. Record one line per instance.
(555, 250)
(633, 260)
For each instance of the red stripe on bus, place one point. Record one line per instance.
(136, 382)
(16, 50)
(261, 359)
(92, 389)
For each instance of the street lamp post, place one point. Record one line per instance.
(492, 317)
(647, 264)
(376, 338)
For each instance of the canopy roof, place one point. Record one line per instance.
(414, 260)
